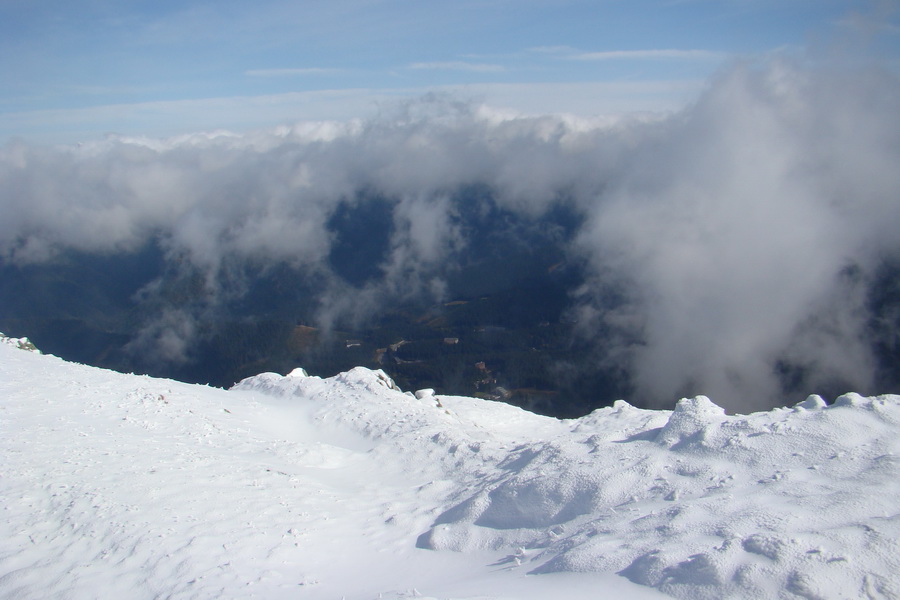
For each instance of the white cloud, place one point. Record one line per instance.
(877, 18)
(585, 99)
(291, 72)
(736, 229)
(166, 339)
(669, 54)
(176, 117)
(738, 234)
(458, 66)
(553, 49)
(246, 113)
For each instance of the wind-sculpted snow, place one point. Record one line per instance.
(694, 502)
(300, 487)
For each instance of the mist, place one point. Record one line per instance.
(730, 249)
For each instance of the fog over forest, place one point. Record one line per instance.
(744, 248)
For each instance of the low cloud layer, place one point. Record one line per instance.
(748, 231)
(739, 237)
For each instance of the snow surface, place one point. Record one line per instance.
(124, 486)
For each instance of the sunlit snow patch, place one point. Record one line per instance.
(297, 486)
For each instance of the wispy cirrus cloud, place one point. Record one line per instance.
(299, 72)
(570, 53)
(457, 65)
(665, 54)
(553, 50)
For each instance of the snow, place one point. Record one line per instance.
(299, 487)
(22, 343)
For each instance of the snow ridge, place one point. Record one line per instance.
(300, 487)
(692, 502)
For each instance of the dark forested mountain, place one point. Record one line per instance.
(485, 303)
(494, 321)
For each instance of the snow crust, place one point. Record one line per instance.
(299, 487)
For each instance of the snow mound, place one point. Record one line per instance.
(691, 421)
(298, 486)
(693, 502)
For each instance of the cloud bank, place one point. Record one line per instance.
(748, 231)
(730, 248)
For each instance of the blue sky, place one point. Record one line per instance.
(77, 69)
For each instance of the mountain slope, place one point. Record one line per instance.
(298, 487)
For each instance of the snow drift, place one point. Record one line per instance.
(300, 487)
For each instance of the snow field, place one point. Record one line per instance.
(297, 487)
